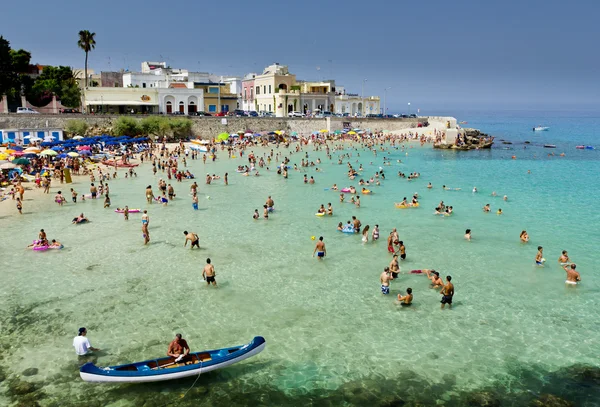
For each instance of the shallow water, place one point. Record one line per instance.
(332, 338)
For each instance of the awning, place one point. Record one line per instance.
(119, 103)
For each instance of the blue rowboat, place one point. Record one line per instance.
(155, 370)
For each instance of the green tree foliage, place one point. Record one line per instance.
(126, 126)
(58, 81)
(8, 76)
(76, 127)
(181, 128)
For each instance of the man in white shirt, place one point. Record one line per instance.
(82, 344)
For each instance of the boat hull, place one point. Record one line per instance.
(91, 373)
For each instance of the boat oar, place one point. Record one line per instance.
(179, 358)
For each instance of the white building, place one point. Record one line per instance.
(352, 104)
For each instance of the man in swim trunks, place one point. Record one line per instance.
(573, 277)
(447, 293)
(384, 278)
(402, 249)
(270, 203)
(320, 249)
(192, 237)
(390, 242)
(434, 276)
(356, 224)
(178, 348)
(93, 191)
(195, 201)
(208, 273)
(394, 267)
(406, 300)
(145, 224)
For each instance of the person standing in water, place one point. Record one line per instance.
(192, 237)
(145, 224)
(320, 249)
(406, 300)
(447, 293)
(573, 276)
(384, 279)
(539, 257)
(468, 234)
(208, 273)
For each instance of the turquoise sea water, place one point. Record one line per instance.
(515, 334)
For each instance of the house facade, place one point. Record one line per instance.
(275, 91)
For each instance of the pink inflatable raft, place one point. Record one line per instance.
(119, 210)
(37, 247)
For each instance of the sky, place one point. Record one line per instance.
(433, 54)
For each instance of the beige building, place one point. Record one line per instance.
(317, 97)
(275, 91)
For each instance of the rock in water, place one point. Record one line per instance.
(32, 371)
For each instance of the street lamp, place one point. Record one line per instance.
(362, 98)
(385, 100)
(409, 108)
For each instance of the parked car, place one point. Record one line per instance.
(69, 110)
(296, 114)
(413, 116)
(26, 110)
(177, 113)
(265, 114)
(239, 113)
(221, 114)
(345, 114)
(327, 114)
(253, 114)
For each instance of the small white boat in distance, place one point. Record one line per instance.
(540, 128)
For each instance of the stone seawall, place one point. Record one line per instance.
(208, 127)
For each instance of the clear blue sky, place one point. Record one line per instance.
(434, 54)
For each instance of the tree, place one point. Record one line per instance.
(59, 81)
(87, 43)
(126, 126)
(7, 73)
(76, 127)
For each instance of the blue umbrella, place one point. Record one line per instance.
(58, 148)
(17, 148)
(85, 152)
(62, 155)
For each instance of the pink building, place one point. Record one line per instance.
(248, 104)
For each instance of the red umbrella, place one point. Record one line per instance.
(84, 148)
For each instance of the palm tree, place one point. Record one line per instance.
(86, 43)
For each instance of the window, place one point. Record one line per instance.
(143, 84)
(269, 88)
(244, 93)
(212, 108)
(258, 90)
(251, 93)
(213, 90)
(265, 89)
(269, 107)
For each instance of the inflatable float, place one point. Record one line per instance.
(400, 206)
(347, 230)
(319, 214)
(345, 190)
(366, 192)
(130, 211)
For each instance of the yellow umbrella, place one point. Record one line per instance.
(73, 154)
(48, 152)
(279, 132)
(8, 151)
(351, 132)
(3, 156)
(33, 150)
(324, 131)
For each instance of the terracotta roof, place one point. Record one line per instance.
(178, 85)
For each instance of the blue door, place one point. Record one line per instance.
(1, 136)
(41, 134)
(26, 136)
(11, 136)
(55, 135)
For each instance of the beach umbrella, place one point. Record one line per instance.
(248, 135)
(18, 153)
(9, 151)
(62, 155)
(222, 136)
(21, 161)
(57, 148)
(3, 156)
(324, 131)
(72, 154)
(32, 150)
(77, 138)
(271, 133)
(355, 129)
(17, 148)
(48, 152)
(85, 152)
(351, 132)
(294, 133)
(7, 166)
(35, 139)
(84, 148)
